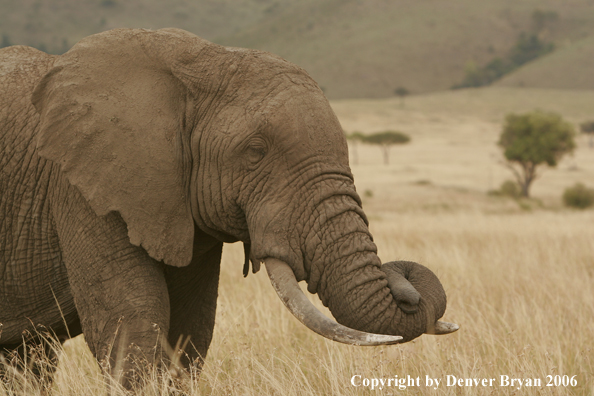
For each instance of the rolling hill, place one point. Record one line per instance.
(369, 48)
(353, 48)
(567, 68)
(57, 24)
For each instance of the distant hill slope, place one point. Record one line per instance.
(56, 24)
(369, 48)
(353, 48)
(571, 67)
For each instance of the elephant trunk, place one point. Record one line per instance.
(284, 282)
(401, 299)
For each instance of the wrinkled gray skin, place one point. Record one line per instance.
(129, 160)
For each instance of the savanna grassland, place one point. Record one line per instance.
(519, 275)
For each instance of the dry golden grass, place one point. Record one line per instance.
(519, 282)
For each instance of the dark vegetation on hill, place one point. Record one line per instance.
(353, 48)
(529, 46)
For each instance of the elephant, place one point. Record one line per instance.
(129, 161)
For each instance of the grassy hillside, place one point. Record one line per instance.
(367, 49)
(353, 48)
(569, 67)
(58, 24)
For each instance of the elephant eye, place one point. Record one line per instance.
(255, 152)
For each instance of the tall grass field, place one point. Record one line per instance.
(519, 275)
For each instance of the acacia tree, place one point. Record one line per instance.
(385, 140)
(533, 139)
(355, 137)
(401, 92)
(588, 128)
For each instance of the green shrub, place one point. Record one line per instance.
(510, 188)
(528, 47)
(422, 182)
(587, 127)
(579, 196)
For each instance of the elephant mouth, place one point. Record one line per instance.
(284, 282)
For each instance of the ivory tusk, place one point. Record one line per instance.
(441, 328)
(286, 286)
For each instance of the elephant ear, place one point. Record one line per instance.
(113, 117)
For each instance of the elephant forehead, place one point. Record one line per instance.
(309, 118)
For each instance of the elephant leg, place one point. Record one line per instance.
(122, 303)
(193, 292)
(119, 290)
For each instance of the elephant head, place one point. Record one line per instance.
(174, 132)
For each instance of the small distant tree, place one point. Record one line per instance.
(65, 46)
(533, 139)
(355, 137)
(588, 128)
(543, 20)
(41, 47)
(5, 42)
(402, 93)
(385, 140)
